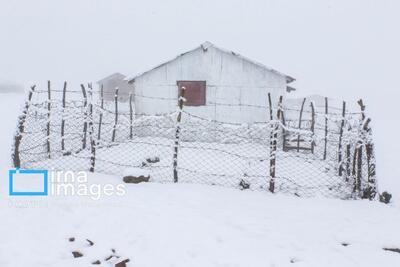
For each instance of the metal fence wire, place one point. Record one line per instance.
(306, 151)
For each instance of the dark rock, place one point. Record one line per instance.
(244, 185)
(71, 239)
(136, 179)
(109, 258)
(144, 164)
(392, 249)
(77, 254)
(385, 197)
(91, 243)
(122, 263)
(153, 160)
(345, 244)
(96, 262)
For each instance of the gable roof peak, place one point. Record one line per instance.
(205, 46)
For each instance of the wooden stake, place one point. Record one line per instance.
(348, 162)
(177, 131)
(91, 131)
(273, 149)
(340, 139)
(300, 118)
(101, 113)
(354, 171)
(130, 116)
(48, 118)
(84, 116)
(116, 115)
(21, 126)
(326, 127)
(312, 126)
(62, 120)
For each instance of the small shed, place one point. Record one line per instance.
(220, 85)
(109, 85)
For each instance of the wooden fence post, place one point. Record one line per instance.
(340, 139)
(84, 116)
(353, 172)
(362, 106)
(91, 130)
(272, 148)
(116, 115)
(312, 126)
(20, 129)
(359, 165)
(300, 118)
(48, 118)
(274, 142)
(130, 116)
(62, 120)
(359, 148)
(348, 161)
(177, 131)
(326, 127)
(357, 184)
(370, 191)
(101, 112)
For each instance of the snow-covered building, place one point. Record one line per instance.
(111, 83)
(220, 85)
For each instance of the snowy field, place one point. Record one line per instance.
(189, 225)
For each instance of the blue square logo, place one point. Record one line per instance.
(28, 182)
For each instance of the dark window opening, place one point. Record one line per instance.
(195, 93)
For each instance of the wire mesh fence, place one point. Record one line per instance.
(306, 150)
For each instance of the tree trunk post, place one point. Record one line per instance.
(326, 127)
(359, 147)
(177, 131)
(48, 118)
(91, 130)
(340, 139)
(130, 117)
(272, 148)
(84, 116)
(370, 191)
(300, 119)
(62, 120)
(274, 143)
(101, 113)
(20, 129)
(354, 171)
(312, 126)
(116, 115)
(348, 162)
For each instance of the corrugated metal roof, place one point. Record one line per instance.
(207, 45)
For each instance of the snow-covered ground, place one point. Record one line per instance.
(189, 225)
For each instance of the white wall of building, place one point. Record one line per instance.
(232, 83)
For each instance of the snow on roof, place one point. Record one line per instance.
(117, 76)
(207, 45)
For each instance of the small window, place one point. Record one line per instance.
(195, 93)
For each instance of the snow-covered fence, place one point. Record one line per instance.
(306, 150)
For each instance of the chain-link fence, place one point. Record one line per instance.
(306, 149)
